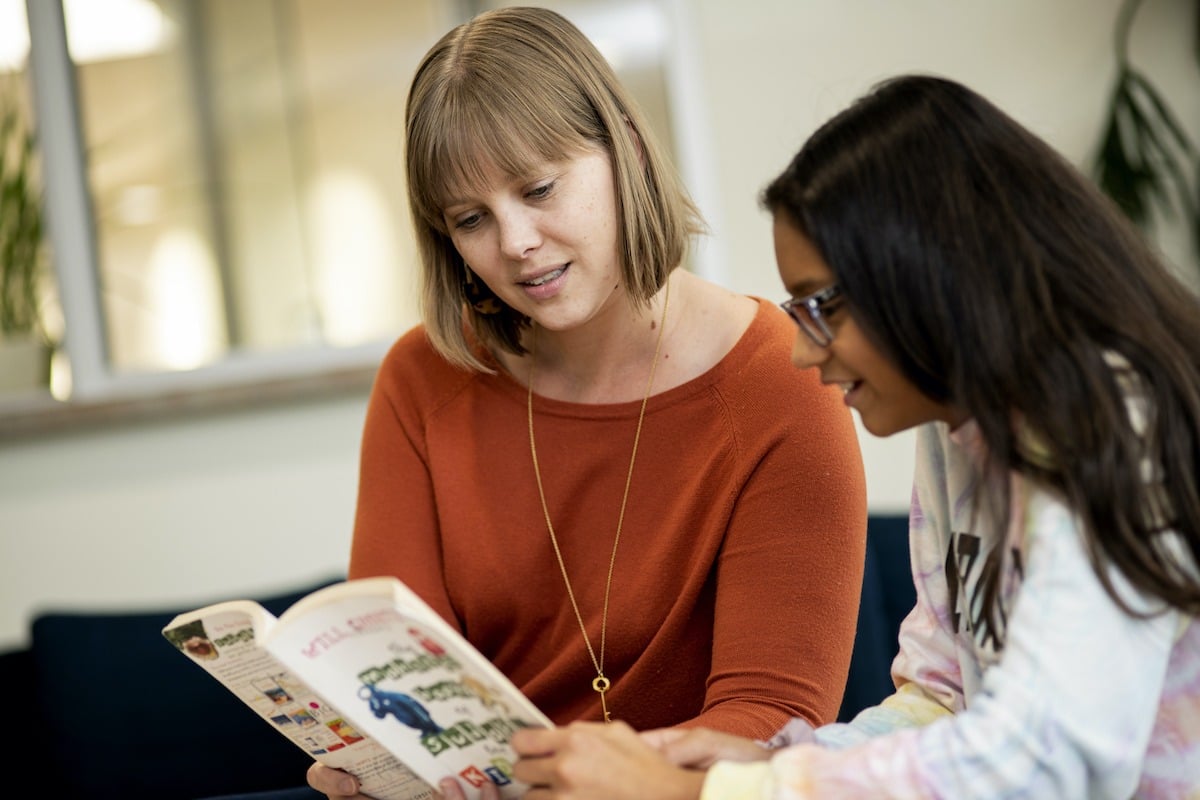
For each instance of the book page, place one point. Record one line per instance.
(223, 640)
(406, 678)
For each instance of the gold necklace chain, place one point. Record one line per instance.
(600, 683)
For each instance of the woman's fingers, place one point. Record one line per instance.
(333, 783)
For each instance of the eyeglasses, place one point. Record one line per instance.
(809, 313)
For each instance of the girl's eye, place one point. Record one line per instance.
(833, 306)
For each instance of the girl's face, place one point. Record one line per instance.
(886, 401)
(544, 243)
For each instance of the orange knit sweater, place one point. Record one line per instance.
(736, 585)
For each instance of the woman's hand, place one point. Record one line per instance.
(593, 761)
(598, 761)
(451, 789)
(334, 783)
(339, 785)
(700, 748)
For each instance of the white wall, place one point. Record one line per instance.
(773, 70)
(183, 511)
(202, 508)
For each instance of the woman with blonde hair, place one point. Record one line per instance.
(593, 462)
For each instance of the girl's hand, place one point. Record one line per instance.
(598, 761)
(700, 748)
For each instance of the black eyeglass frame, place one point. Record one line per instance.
(812, 319)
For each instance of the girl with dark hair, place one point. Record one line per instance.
(949, 270)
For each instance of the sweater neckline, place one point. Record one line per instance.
(750, 339)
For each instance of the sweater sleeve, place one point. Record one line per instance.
(396, 525)
(795, 544)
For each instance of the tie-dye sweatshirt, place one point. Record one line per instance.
(1082, 701)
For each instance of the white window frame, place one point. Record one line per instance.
(71, 231)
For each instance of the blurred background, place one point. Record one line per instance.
(205, 245)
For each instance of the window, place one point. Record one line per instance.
(224, 179)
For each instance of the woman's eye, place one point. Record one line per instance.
(541, 191)
(467, 222)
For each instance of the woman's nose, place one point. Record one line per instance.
(519, 234)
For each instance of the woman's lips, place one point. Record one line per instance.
(546, 278)
(547, 284)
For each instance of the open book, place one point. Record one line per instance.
(366, 677)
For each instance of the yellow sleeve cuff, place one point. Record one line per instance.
(730, 780)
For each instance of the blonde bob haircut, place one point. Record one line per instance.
(512, 89)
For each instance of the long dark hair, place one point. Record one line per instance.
(1001, 281)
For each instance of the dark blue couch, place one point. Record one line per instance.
(105, 708)
(887, 597)
(118, 713)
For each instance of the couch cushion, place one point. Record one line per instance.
(888, 595)
(126, 716)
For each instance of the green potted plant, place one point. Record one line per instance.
(1146, 157)
(24, 346)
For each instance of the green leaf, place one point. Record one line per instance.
(1146, 157)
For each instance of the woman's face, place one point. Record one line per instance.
(886, 401)
(545, 243)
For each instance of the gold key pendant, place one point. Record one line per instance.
(601, 684)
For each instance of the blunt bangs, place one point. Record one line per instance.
(511, 91)
(489, 111)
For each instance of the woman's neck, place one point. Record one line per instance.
(607, 360)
